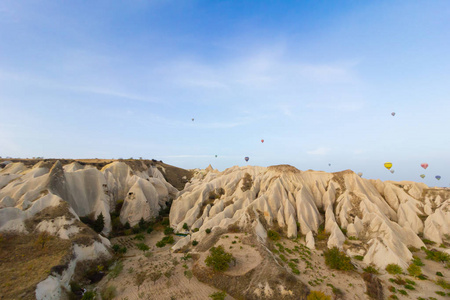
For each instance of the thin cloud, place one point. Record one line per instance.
(319, 151)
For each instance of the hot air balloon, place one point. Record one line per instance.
(216, 155)
(438, 177)
(424, 165)
(392, 171)
(393, 113)
(360, 174)
(192, 119)
(262, 141)
(247, 158)
(329, 165)
(388, 165)
(422, 175)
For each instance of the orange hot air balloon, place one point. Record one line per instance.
(388, 165)
(424, 165)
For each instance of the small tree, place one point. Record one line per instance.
(139, 279)
(185, 226)
(218, 259)
(99, 223)
(155, 275)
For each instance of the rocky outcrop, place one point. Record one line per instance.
(50, 197)
(387, 217)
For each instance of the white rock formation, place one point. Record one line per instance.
(385, 216)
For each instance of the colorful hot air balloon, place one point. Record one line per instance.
(393, 113)
(424, 165)
(262, 141)
(388, 165)
(360, 174)
(422, 175)
(392, 171)
(438, 177)
(247, 158)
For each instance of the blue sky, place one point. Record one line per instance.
(317, 80)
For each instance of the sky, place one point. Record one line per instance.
(317, 80)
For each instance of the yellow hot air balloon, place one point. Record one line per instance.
(388, 165)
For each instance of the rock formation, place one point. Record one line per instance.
(388, 217)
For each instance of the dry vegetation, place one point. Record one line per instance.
(25, 261)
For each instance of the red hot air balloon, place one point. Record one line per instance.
(262, 141)
(424, 165)
(247, 158)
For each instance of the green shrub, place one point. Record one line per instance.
(443, 283)
(273, 235)
(127, 225)
(165, 222)
(336, 259)
(208, 230)
(168, 230)
(409, 287)
(185, 226)
(89, 295)
(439, 274)
(195, 230)
(440, 293)
(411, 282)
(393, 297)
(218, 259)
(403, 292)
(142, 224)
(218, 296)
(317, 295)
(149, 229)
(436, 255)
(136, 229)
(371, 269)
(116, 247)
(417, 261)
(428, 242)
(414, 270)
(139, 237)
(352, 238)
(194, 243)
(394, 269)
(160, 244)
(142, 247)
(109, 292)
(392, 289)
(168, 239)
(358, 257)
(283, 258)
